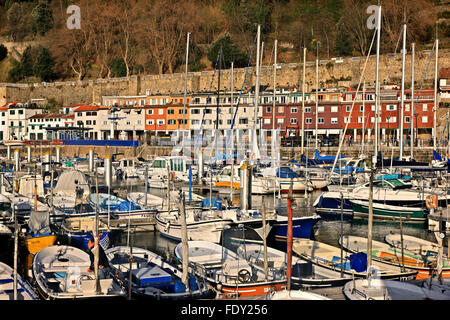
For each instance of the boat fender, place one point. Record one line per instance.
(431, 201)
(166, 229)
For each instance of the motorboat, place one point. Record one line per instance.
(153, 276)
(61, 272)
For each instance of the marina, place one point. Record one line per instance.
(156, 199)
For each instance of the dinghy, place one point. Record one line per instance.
(391, 256)
(229, 274)
(377, 289)
(153, 276)
(61, 272)
(417, 245)
(24, 290)
(329, 257)
(304, 273)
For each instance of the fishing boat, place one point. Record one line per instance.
(24, 290)
(393, 192)
(379, 289)
(304, 274)
(79, 230)
(260, 184)
(153, 276)
(61, 272)
(391, 256)
(201, 225)
(120, 208)
(39, 234)
(71, 189)
(414, 244)
(229, 274)
(329, 257)
(383, 211)
(156, 202)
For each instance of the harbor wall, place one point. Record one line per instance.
(331, 74)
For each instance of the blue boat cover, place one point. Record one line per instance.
(286, 172)
(358, 261)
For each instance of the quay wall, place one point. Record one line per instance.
(331, 74)
(148, 152)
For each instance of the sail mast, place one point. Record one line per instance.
(374, 161)
(412, 101)
(435, 92)
(303, 99)
(402, 91)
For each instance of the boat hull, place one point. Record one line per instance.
(386, 213)
(301, 228)
(35, 244)
(253, 289)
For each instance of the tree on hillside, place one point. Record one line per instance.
(118, 68)
(3, 52)
(27, 61)
(42, 17)
(43, 67)
(231, 52)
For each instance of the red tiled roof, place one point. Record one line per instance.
(86, 108)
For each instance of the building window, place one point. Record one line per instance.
(320, 109)
(407, 119)
(280, 121)
(407, 107)
(243, 121)
(320, 120)
(360, 119)
(266, 121)
(307, 109)
(391, 107)
(424, 107)
(424, 119)
(334, 109)
(348, 108)
(195, 111)
(308, 120)
(160, 111)
(150, 122)
(293, 121)
(280, 109)
(334, 120)
(294, 110)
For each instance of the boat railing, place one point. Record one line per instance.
(362, 294)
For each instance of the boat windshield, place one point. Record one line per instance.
(159, 164)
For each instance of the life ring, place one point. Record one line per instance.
(431, 201)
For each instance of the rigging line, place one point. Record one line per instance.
(353, 104)
(242, 88)
(420, 91)
(206, 105)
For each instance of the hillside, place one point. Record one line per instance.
(119, 38)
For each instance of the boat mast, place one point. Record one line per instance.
(412, 100)
(377, 85)
(402, 91)
(374, 161)
(256, 102)
(435, 91)
(363, 115)
(317, 94)
(303, 99)
(185, 84)
(273, 117)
